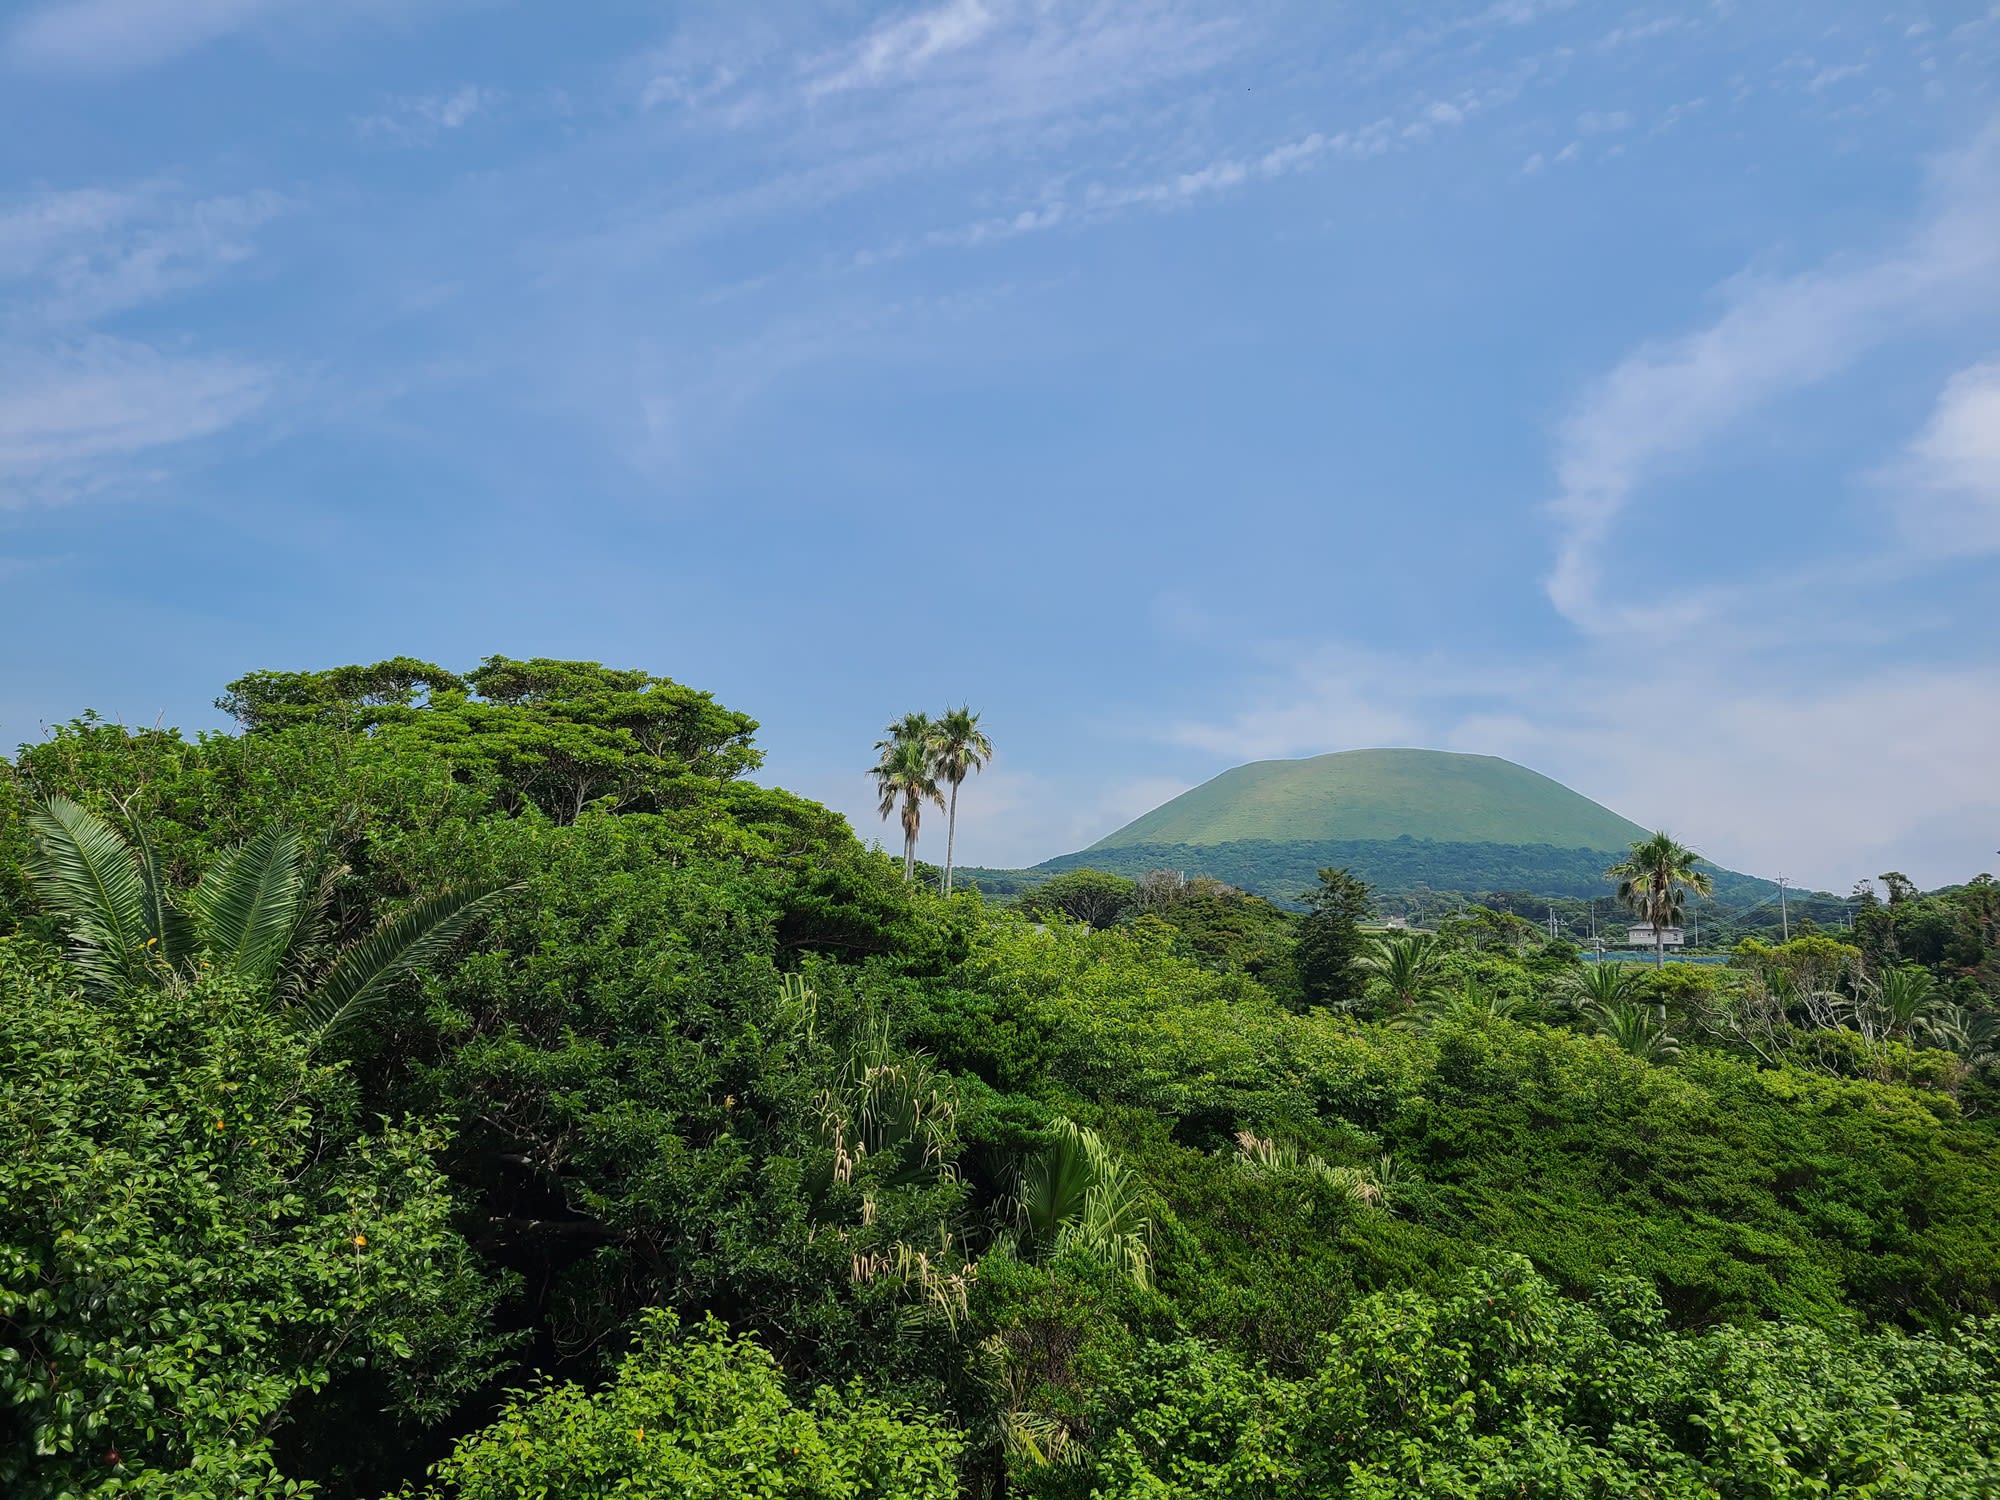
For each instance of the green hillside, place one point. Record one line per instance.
(1381, 794)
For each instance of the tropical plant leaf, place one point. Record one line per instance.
(247, 905)
(364, 975)
(166, 923)
(87, 873)
(1055, 1183)
(1076, 1195)
(1603, 983)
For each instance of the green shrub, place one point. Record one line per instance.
(701, 1416)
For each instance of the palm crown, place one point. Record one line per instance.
(905, 774)
(1654, 880)
(958, 748)
(918, 757)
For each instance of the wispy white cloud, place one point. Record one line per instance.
(897, 48)
(88, 253)
(419, 119)
(80, 410)
(1945, 492)
(1097, 201)
(74, 418)
(115, 36)
(1667, 403)
(1827, 77)
(112, 37)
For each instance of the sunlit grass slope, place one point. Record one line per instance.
(1382, 794)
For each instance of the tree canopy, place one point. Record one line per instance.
(708, 1155)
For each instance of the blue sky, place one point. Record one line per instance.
(1614, 388)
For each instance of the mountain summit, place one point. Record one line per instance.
(1381, 794)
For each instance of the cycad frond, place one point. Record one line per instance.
(364, 974)
(1605, 982)
(165, 922)
(1635, 1031)
(90, 877)
(1904, 999)
(1405, 966)
(246, 907)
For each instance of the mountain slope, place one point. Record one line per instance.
(1381, 794)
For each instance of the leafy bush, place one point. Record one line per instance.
(1500, 1387)
(702, 1416)
(200, 1232)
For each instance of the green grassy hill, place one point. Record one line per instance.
(1365, 795)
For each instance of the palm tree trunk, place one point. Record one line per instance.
(1659, 930)
(950, 836)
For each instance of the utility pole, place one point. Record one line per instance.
(1784, 916)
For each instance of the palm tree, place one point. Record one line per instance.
(1653, 882)
(259, 912)
(1406, 967)
(1634, 1031)
(912, 728)
(958, 749)
(905, 774)
(1472, 1005)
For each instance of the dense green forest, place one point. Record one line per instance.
(1425, 879)
(474, 1086)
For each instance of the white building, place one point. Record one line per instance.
(1641, 936)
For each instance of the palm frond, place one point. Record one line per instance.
(1055, 1183)
(90, 878)
(305, 943)
(364, 975)
(1635, 1031)
(1601, 984)
(166, 923)
(1076, 1195)
(1405, 967)
(246, 907)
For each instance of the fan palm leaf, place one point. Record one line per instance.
(1076, 1195)
(958, 749)
(905, 776)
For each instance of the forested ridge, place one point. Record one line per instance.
(1426, 879)
(472, 1085)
